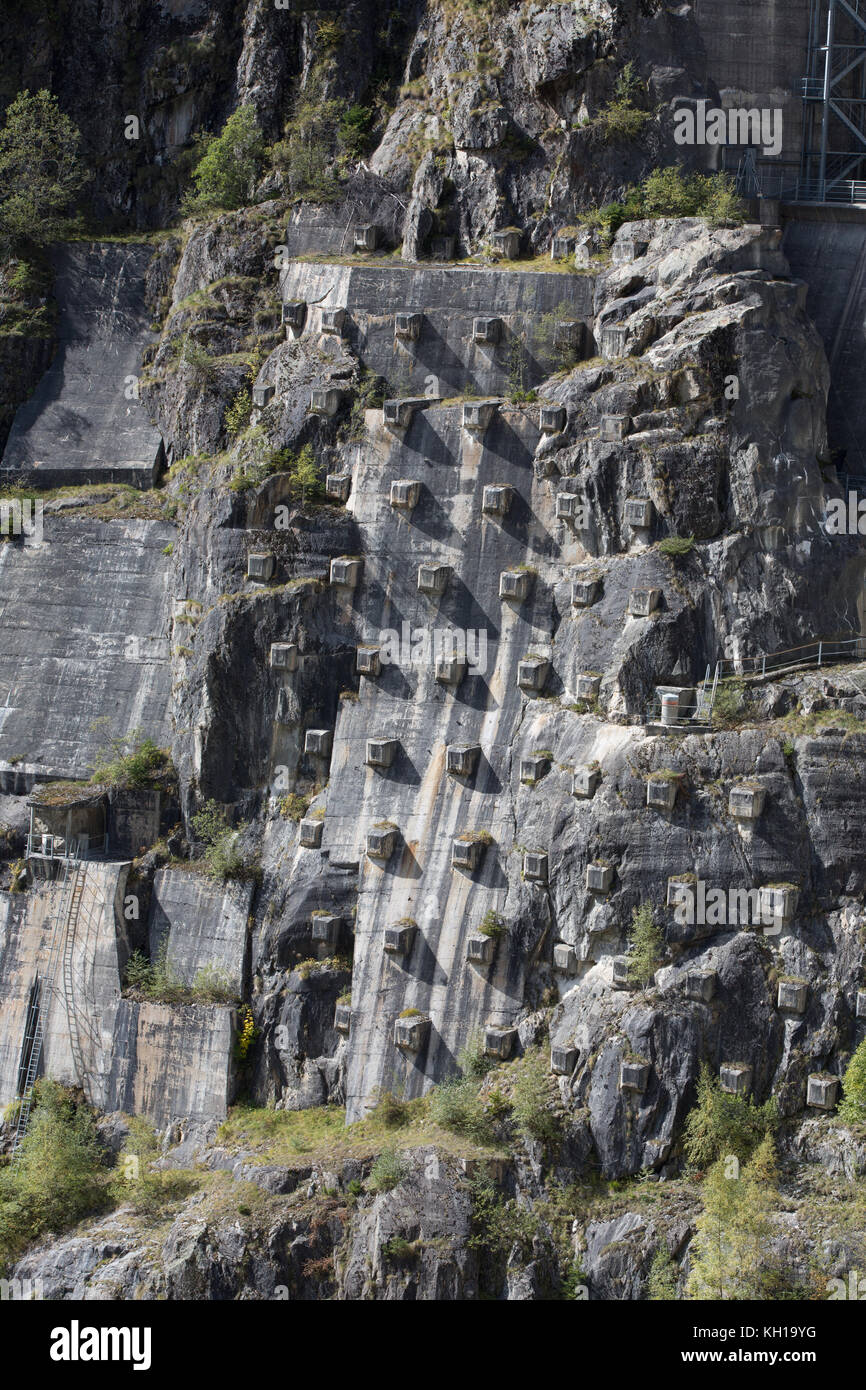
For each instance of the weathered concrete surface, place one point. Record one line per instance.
(204, 923)
(527, 304)
(171, 1061)
(81, 425)
(85, 623)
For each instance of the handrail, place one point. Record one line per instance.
(821, 652)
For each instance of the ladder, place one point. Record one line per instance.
(71, 880)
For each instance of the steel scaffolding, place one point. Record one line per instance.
(834, 99)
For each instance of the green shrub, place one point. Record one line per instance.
(130, 761)
(492, 925)
(41, 171)
(305, 154)
(852, 1110)
(354, 130)
(533, 1100)
(730, 704)
(622, 119)
(662, 1286)
(237, 415)
(389, 1169)
(225, 175)
(646, 942)
(388, 1110)
(677, 546)
(721, 1124)
(456, 1105)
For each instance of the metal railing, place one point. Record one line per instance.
(57, 847)
(827, 651)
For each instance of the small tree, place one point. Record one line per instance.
(852, 1111)
(722, 1124)
(662, 1286)
(225, 174)
(647, 946)
(730, 1255)
(41, 173)
(305, 473)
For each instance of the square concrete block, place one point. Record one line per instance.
(397, 414)
(496, 499)
(507, 242)
(400, 938)
(284, 656)
(792, 996)
(535, 866)
(487, 331)
(634, 1076)
(317, 743)
(661, 792)
(861, 1003)
(614, 428)
(405, 493)
(599, 877)
(346, 571)
(381, 841)
(642, 602)
(746, 803)
(325, 401)
(562, 246)
(532, 769)
(343, 1018)
(365, 237)
(295, 314)
(563, 1060)
(552, 419)
(261, 565)
(516, 585)
(311, 832)
(338, 486)
(626, 249)
(326, 927)
(433, 579)
(466, 854)
(499, 1042)
(822, 1091)
(478, 414)
(621, 979)
(588, 687)
(262, 396)
(333, 321)
(701, 985)
(564, 958)
(442, 248)
(570, 507)
(614, 341)
(480, 949)
(585, 592)
(779, 901)
(584, 781)
(368, 661)
(568, 335)
(582, 257)
(381, 752)
(532, 673)
(450, 670)
(735, 1078)
(681, 891)
(407, 327)
(411, 1034)
(638, 513)
(461, 759)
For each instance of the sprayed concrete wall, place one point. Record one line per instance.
(84, 422)
(85, 622)
(203, 922)
(527, 304)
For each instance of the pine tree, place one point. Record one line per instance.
(41, 173)
(731, 1256)
(646, 943)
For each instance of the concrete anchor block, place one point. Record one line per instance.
(311, 832)
(621, 977)
(381, 841)
(570, 507)
(535, 866)
(326, 927)
(584, 781)
(400, 938)
(368, 661)
(346, 571)
(381, 752)
(478, 414)
(407, 327)
(284, 656)
(562, 246)
(627, 249)
(638, 513)
(461, 759)
(480, 949)
(585, 592)
(486, 331)
(343, 1018)
(552, 419)
(450, 670)
(661, 792)
(746, 802)
(701, 985)
(532, 673)
(412, 1033)
(496, 499)
(263, 395)
(532, 769)
(614, 428)
(507, 242)
(325, 401)
(568, 335)
(861, 1003)
(564, 958)
(563, 1060)
(588, 687)
(822, 1091)
(317, 743)
(466, 854)
(295, 315)
(442, 248)
(333, 321)
(792, 996)
(261, 565)
(366, 237)
(682, 892)
(398, 414)
(614, 341)
(433, 579)
(405, 493)
(599, 877)
(499, 1042)
(735, 1078)
(338, 486)
(642, 602)
(779, 901)
(634, 1076)
(516, 584)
